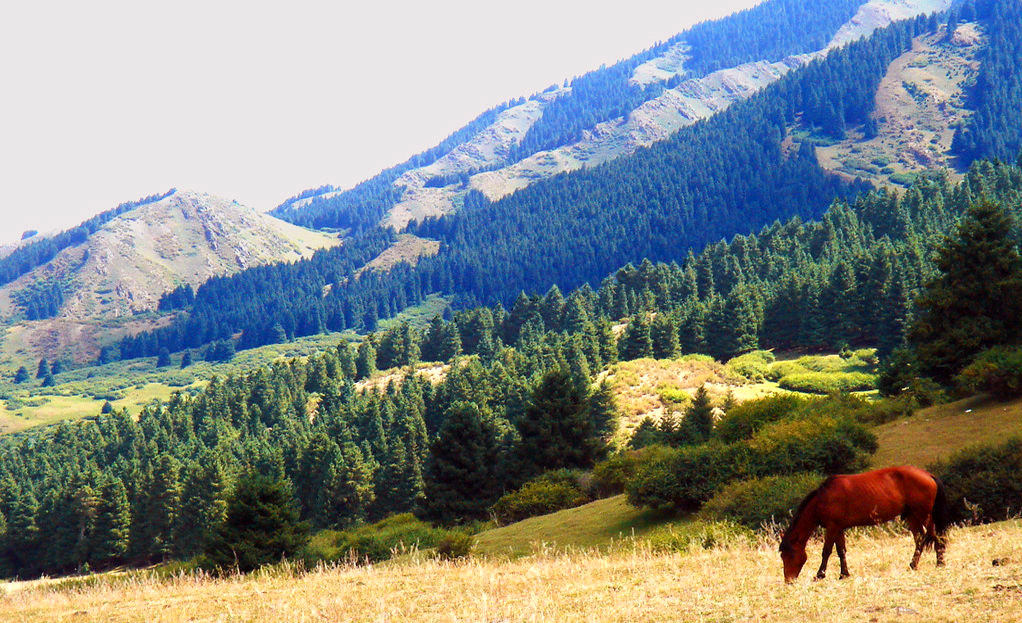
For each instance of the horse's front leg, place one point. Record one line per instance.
(828, 546)
(841, 554)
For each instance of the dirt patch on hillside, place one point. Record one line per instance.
(658, 388)
(432, 372)
(407, 249)
(918, 105)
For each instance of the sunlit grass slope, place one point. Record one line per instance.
(742, 583)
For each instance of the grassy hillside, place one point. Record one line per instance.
(921, 439)
(939, 431)
(740, 583)
(599, 524)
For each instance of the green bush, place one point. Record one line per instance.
(825, 444)
(997, 371)
(753, 366)
(829, 382)
(781, 369)
(375, 542)
(537, 497)
(454, 545)
(983, 483)
(611, 476)
(743, 420)
(683, 478)
(674, 395)
(759, 501)
(697, 535)
(825, 438)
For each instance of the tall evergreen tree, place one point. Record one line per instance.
(261, 527)
(697, 423)
(112, 525)
(461, 480)
(976, 301)
(555, 431)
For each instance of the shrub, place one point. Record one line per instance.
(743, 420)
(697, 535)
(454, 545)
(983, 482)
(829, 382)
(374, 542)
(684, 478)
(824, 440)
(825, 444)
(759, 501)
(611, 476)
(997, 371)
(674, 395)
(753, 366)
(781, 369)
(536, 497)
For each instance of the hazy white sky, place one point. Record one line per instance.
(103, 101)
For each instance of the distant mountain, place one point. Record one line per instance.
(124, 267)
(759, 117)
(608, 113)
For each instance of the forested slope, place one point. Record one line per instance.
(727, 175)
(109, 489)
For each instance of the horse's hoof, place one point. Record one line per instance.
(819, 576)
(845, 575)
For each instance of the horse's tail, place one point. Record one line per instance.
(941, 509)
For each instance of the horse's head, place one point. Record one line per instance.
(793, 558)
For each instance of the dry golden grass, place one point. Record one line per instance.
(739, 584)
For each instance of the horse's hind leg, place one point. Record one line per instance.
(840, 542)
(828, 545)
(919, 535)
(939, 542)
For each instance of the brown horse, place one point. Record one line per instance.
(867, 499)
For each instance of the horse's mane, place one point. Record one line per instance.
(786, 538)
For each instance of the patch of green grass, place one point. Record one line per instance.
(939, 431)
(418, 316)
(598, 525)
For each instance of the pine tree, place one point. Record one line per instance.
(163, 360)
(365, 361)
(348, 489)
(23, 536)
(976, 301)
(697, 423)
(664, 336)
(637, 342)
(261, 527)
(161, 508)
(461, 480)
(112, 524)
(602, 411)
(555, 431)
(204, 493)
(21, 375)
(186, 359)
(44, 369)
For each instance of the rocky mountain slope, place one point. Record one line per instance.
(124, 268)
(482, 163)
